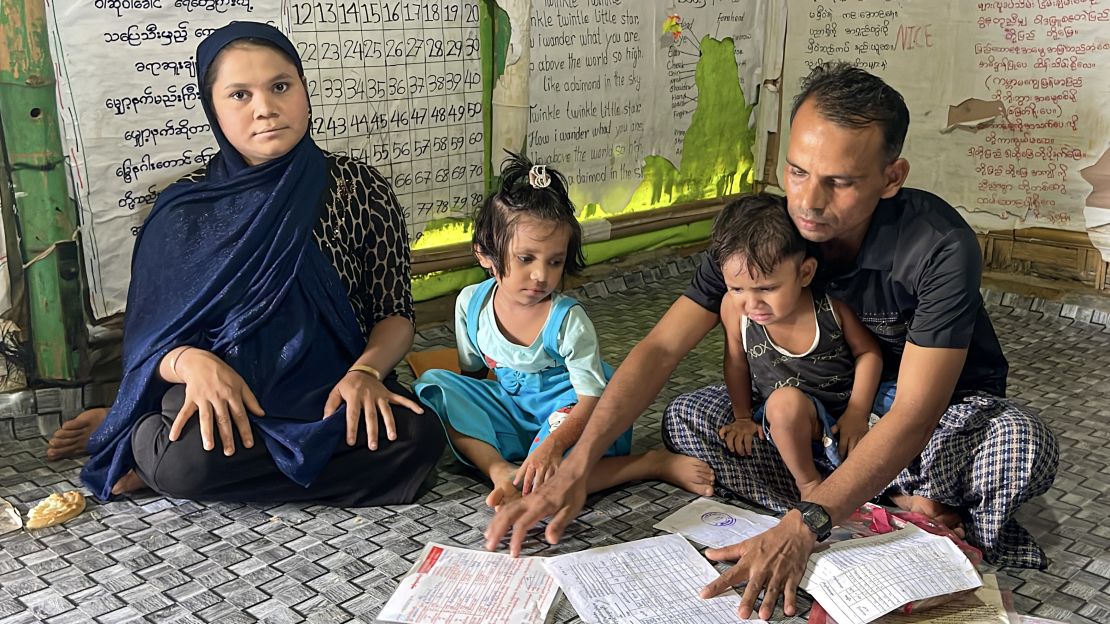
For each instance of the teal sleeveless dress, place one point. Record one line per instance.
(517, 411)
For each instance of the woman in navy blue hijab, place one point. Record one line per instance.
(268, 305)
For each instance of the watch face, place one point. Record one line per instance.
(817, 519)
(818, 514)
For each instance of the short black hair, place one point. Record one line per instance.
(495, 223)
(758, 229)
(854, 98)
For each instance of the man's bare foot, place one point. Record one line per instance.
(70, 440)
(688, 473)
(938, 512)
(805, 489)
(129, 482)
(503, 489)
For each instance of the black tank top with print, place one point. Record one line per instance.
(825, 371)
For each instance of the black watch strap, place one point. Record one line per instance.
(816, 518)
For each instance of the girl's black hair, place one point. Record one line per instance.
(495, 224)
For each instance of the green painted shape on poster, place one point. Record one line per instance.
(717, 148)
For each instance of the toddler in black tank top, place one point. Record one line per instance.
(800, 368)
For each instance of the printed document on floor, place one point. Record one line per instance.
(859, 580)
(710, 523)
(460, 586)
(647, 581)
(983, 606)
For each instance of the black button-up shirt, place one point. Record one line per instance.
(916, 278)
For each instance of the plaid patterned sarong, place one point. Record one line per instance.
(986, 457)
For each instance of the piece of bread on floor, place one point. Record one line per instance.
(56, 509)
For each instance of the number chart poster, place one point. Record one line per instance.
(398, 84)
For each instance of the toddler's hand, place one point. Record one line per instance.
(539, 466)
(850, 429)
(739, 436)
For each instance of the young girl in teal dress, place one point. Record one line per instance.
(541, 347)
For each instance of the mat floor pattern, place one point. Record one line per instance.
(155, 559)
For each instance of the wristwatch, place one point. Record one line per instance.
(816, 518)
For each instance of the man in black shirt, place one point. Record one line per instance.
(915, 277)
(949, 445)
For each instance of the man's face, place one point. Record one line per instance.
(835, 177)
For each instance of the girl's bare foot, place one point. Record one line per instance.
(805, 489)
(939, 512)
(503, 489)
(70, 440)
(129, 482)
(688, 473)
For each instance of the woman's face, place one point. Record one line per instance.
(259, 101)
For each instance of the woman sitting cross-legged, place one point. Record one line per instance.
(268, 305)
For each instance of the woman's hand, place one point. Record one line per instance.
(539, 466)
(366, 396)
(215, 391)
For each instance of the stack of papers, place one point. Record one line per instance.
(859, 580)
(648, 581)
(984, 606)
(659, 579)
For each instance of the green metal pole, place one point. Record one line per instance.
(487, 10)
(46, 216)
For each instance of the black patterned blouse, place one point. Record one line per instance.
(362, 232)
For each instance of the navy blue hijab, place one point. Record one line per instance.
(228, 264)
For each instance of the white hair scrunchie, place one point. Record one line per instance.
(538, 177)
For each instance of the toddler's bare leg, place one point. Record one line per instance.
(792, 418)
